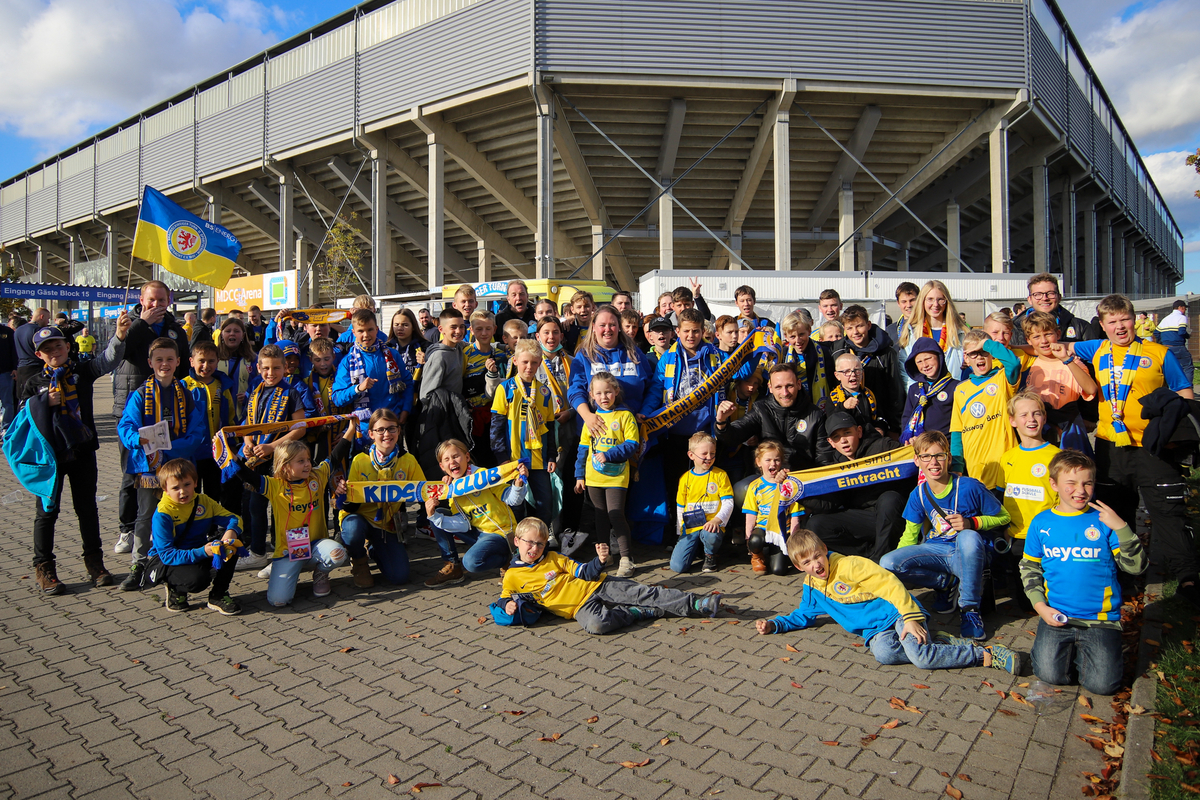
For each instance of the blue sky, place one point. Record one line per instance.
(71, 68)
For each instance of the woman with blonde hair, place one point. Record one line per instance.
(934, 316)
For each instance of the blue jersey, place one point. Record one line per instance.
(965, 496)
(1077, 555)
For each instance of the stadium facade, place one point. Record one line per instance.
(478, 140)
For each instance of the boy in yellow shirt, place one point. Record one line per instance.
(538, 580)
(704, 504)
(979, 436)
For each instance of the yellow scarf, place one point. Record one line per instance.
(523, 408)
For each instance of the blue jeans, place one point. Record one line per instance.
(932, 563)
(281, 588)
(689, 546)
(889, 648)
(485, 550)
(540, 497)
(1091, 654)
(8, 401)
(362, 539)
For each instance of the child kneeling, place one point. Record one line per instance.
(1071, 558)
(538, 580)
(181, 551)
(867, 600)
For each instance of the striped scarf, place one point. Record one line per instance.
(916, 425)
(943, 336)
(556, 372)
(840, 396)
(1115, 394)
(153, 412)
(358, 371)
(63, 380)
(523, 409)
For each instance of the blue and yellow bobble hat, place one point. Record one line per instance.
(288, 347)
(46, 334)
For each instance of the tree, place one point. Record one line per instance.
(341, 257)
(1194, 161)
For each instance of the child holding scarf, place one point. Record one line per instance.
(555, 373)
(930, 398)
(212, 390)
(522, 412)
(161, 397)
(371, 376)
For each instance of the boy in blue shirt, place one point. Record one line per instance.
(867, 600)
(372, 376)
(1069, 571)
(212, 391)
(955, 551)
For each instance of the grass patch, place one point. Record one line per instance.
(1176, 770)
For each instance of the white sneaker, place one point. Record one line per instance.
(253, 562)
(552, 542)
(124, 543)
(265, 572)
(626, 568)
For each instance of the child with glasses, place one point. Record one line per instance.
(951, 514)
(537, 580)
(852, 395)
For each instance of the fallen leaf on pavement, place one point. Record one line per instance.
(1024, 685)
(1003, 695)
(866, 740)
(515, 713)
(322, 616)
(919, 686)
(1152, 643)
(732, 621)
(418, 787)
(392, 779)
(552, 738)
(791, 649)
(664, 741)
(955, 793)
(893, 724)
(988, 684)
(785, 659)
(1007, 713)
(238, 666)
(413, 636)
(634, 764)
(1091, 719)
(347, 783)
(458, 691)
(797, 685)
(346, 650)
(481, 620)
(831, 744)
(592, 720)
(964, 777)
(985, 730)
(900, 705)
(1085, 702)
(349, 619)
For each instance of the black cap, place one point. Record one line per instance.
(661, 324)
(46, 334)
(837, 421)
(1178, 304)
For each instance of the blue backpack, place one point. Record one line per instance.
(31, 456)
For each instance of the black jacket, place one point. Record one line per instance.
(135, 368)
(8, 350)
(881, 371)
(859, 497)
(508, 313)
(87, 373)
(443, 416)
(798, 428)
(201, 332)
(1165, 410)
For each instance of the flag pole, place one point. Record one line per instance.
(129, 280)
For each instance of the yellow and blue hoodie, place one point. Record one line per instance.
(177, 543)
(554, 583)
(861, 596)
(671, 369)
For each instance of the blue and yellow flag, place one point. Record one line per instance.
(179, 241)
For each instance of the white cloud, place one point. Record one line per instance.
(1149, 65)
(1177, 182)
(70, 66)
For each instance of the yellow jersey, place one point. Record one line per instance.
(1026, 483)
(86, 343)
(512, 402)
(980, 415)
(486, 510)
(385, 516)
(296, 504)
(1156, 367)
(760, 498)
(622, 429)
(554, 583)
(703, 491)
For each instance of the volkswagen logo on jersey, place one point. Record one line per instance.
(977, 409)
(185, 240)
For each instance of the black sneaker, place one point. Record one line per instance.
(710, 563)
(707, 606)
(225, 606)
(133, 581)
(174, 601)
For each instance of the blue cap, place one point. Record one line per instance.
(47, 334)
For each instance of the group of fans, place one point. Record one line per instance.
(584, 422)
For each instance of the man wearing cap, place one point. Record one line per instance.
(863, 520)
(1173, 332)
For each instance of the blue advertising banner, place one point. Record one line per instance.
(76, 294)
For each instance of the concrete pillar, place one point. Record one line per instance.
(544, 267)
(484, 260)
(735, 244)
(998, 159)
(437, 213)
(1105, 248)
(846, 226)
(306, 292)
(287, 211)
(1041, 219)
(598, 247)
(1119, 262)
(383, 271)
(953, 238)
(866, 249)
(113, 252)
(1087, 271)
(783, 192)
(72, 257)
(1070, 280)
(666, 232)
(902, 260)
(39, 264)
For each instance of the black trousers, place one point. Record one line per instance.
(777, 560)
(210, 479)
(1120, 473)
(195, 578)
(82, 472)
(870, 532)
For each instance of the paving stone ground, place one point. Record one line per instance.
(105, 694)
